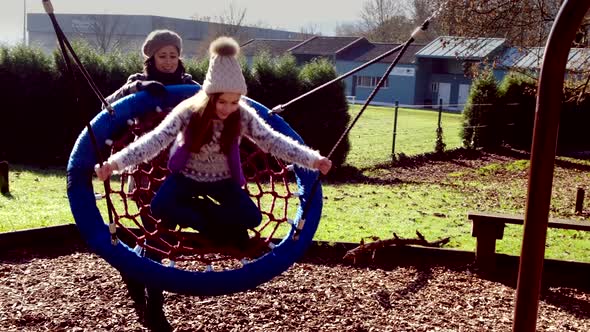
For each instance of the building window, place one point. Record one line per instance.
(370, 82)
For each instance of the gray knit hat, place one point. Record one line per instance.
(158, 39)
(224, 73)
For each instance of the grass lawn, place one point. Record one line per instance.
(432, 197)
(372, 136)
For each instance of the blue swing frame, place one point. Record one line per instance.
(94, 230)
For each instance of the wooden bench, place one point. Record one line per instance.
(489, 227)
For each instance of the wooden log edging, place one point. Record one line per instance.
(569, 273)
(66, 235)
(51, 236)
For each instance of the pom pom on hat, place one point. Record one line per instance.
(224, 46)
(224, 73)
(158, 39)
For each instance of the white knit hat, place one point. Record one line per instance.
(224, 73)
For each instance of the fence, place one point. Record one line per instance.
(384, 133)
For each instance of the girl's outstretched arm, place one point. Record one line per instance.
(151, 144)
(280, 145)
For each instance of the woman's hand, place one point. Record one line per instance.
(104, 172)
(154, 88)
(323, 165)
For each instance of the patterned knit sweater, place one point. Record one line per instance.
(210, 163)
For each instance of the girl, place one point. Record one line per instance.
(204, 128)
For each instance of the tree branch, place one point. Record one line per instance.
(377, 244)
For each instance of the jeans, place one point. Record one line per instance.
(215, 209)
(221, 211)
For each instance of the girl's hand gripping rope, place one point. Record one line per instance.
(104, 172)
(323, 165)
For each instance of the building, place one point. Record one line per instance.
(399, 85)
(426, 75)
(127, 32)
(530, 60)
(444, 65)
(324, 47)
(348, 53)
(438, 73)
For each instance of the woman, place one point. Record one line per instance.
(204, 128)
(162, 66)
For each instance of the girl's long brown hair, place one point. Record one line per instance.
(200, 129)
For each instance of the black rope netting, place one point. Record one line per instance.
(268, 184)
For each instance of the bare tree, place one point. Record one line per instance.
(521, 22)
(309, 30)
(420, 11)
(103, 32)
(524, 23)
(231, 22)
(233, 19)
(386, 20)
(349, 30)
(203, 18)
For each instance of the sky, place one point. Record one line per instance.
(324, 15)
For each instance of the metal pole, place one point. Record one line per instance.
(394, 130)
(542, 163)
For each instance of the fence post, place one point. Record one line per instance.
(394, 131)
(4, 177)
(439, 146)
(440, 109)
(580, 201)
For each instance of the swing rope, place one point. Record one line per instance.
(402, 50)
(65, 46)
(174, 243)
(403, 47)
(63, 40)
(281, 108)
(64, 43)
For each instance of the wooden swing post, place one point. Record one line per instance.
(4, 190)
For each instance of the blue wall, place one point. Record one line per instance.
(439, 71)
(401, 88)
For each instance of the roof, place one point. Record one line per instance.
(373, 50)
(446, 47)
(531, 58)
(83, 23)
(141, 25)
(322, 45)
(276, 47)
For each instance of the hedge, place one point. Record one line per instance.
(44, 110)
